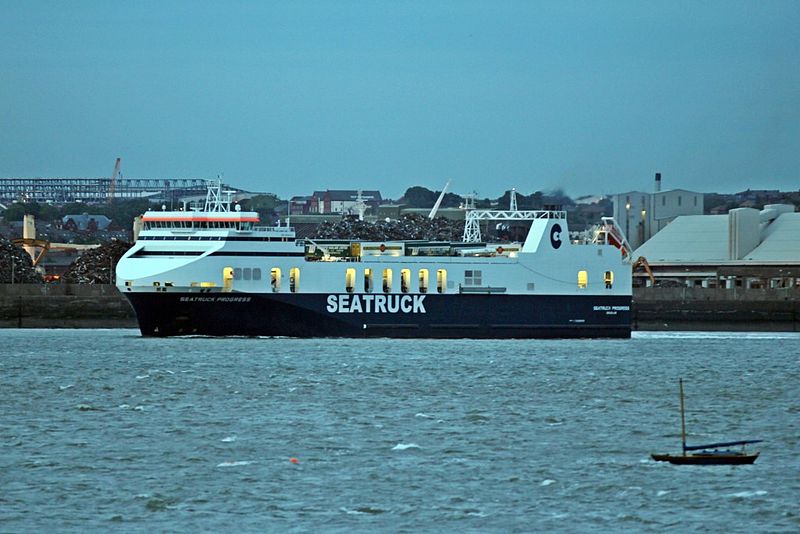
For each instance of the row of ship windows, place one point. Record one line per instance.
(387, 280)
(282, 239)
(235, 225)
(473, 278)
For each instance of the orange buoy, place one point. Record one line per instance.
(294, 460)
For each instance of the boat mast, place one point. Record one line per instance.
(683, 419)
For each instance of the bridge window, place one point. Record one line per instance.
(405, 280)
(387, 280)
(367, 280)
(608, 278)
(583, 279)
(275, 280)
(350, 280)
(247, 273)
(237, 273)
(423, 280)
(256, 273)
(441, 281)
(294, 279)
(473, 278)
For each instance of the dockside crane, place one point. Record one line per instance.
(112, 188)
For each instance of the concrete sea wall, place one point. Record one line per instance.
(698, 308)
(64, 306)
(103, 306)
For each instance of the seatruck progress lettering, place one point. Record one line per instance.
(376, 303)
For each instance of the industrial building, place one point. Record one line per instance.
(642, 215)
(340, 201)
(746, 248)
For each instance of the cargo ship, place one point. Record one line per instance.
(212, 270)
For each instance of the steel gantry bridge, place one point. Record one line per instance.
(61, 190)
(472, 224)
(472, 228)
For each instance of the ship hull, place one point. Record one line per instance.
(478, 316)
(707, 459)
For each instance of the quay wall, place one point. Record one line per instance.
(64, 306)
(698, 308)
(681, 308)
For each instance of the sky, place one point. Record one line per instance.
(292, 97)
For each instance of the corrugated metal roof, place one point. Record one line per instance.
(780, 240)
(689, 238)
(704, 239)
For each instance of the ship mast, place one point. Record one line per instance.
(683, 419)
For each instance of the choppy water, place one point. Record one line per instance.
(105, 430)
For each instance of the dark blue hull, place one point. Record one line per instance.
(480, 316)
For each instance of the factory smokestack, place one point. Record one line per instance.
(658, 182)
(29, 232)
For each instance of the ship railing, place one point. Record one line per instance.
(311, 257)
(277, 229)
(610, 233)
(481, 289)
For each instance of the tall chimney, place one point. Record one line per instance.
(29, 232)
(137, 227)
(658, 182)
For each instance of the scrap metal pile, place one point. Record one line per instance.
(410, 226)
(15, 265)
(96, 266)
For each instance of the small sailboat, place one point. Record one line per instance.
(711, 454)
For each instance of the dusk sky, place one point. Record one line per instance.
(289, 97)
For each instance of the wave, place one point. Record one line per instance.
(234, 463)
(747, 494)
(715, 335)
(404, 446)
(363, 510)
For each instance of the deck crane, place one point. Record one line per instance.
(113, 185)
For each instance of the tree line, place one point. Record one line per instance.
(421, 197)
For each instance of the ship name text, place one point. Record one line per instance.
(612, 308)
(215, 299)
(376, 304)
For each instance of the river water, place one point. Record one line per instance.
(103, 429)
